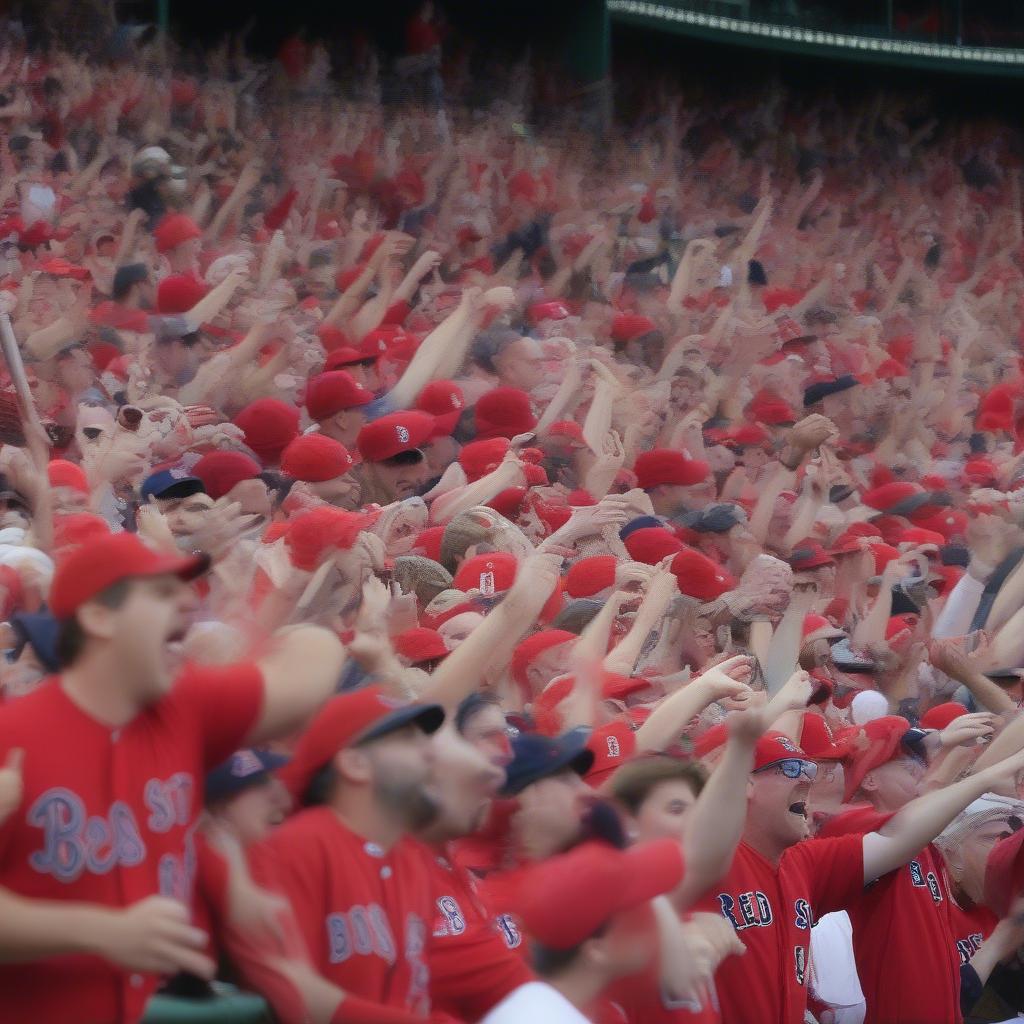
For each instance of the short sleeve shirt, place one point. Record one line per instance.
(773, 908)
(108, 816)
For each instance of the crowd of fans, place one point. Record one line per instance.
(453, 571)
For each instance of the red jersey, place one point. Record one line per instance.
(903, 942)
(640, 999)
(970, 928)
(472, 963)
(364, 913)
(108, 816)
(773, 908)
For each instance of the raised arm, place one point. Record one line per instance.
(300, 673)
(920, 821)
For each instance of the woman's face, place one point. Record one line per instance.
(666, 811)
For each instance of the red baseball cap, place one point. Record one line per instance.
(62, 473)
(700, 577)
(88, 570)
(78, 528)
(569, 429)
(768, 407)
(527, 650)
(650, 544)
(269, 425)
(809, 554)
(612, 746)
(818, 741)
(444, 400)
(333, 339)
(665, 466)
(221, 471)
(392, 435)
(420, 644)
(315, 458)
(571, 896)
(173, 230)
(817, 627)
(942, 715)
(478, 458)
(346, 356)
(630, 326)
(874, 744)
(1004, 873)
(591, 575)
(179, 293)
(493, 572)
(313, 533)
(773, 747)
(504, 412)
(346, 721)
(332, 392)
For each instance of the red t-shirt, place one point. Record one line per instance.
(364, 914)
(472, 963)
(773, 909)
(108, 816)
(970, 928)
(902, 930)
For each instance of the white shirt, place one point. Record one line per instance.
(536, 1002)
(834, 977)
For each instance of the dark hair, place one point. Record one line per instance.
(71, 637)
(472, 706)
(319, 789)
(126, 277)
(489, 344)
(634, 782)
(932, 257)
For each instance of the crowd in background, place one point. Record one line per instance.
(591, 566)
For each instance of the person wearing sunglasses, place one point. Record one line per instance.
(781, 881)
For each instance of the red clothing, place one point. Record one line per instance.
(472, 966)
(640, 1000)
(363, 913)
(970, 928)
(773, 909)
(108, 816)
(903, 941)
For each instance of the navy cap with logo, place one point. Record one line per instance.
(244, 768)
(536, 757)
(166, 484)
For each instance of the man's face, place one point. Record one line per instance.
(75, 372)
(520, 365)
(968, 862)
(487, 732)
(895, 783)
(403, 775)
(186, 515)
(154, 615)
(777, 806)
(401, 478)
(549, 815)
(827, 791)
(466, 782)
(548, 665)
(255, 811)
(665, 812)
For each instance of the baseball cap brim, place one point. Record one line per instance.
(429, 717)
(844, 657)
(571, 752)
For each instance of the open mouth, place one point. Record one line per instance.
(800, 808)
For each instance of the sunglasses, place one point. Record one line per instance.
(793, 768)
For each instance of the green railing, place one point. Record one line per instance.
(882, 31)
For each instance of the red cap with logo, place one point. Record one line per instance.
(874, 744)
(612, 745)
(88, 570)
(773, 747)
(444, 400)
(346, 720)
(391, 435)
(332, 392)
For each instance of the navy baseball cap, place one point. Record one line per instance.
(39, 630)
(536, 757)
(244, 768)
(171, 483)
(640, 523)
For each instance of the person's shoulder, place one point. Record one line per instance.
(24, 715)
